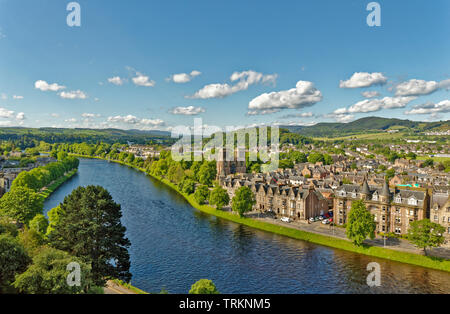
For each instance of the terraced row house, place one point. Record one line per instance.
(298, 203)
(393, 210)
(440, 211)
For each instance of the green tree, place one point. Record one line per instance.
(89, 227)
(13, 260)
(21, 204)
(390, 173)
(426, 234)
(243, 200)
(219, 197)
(48, 274)
(187, 186)
(201, 194)
(203, 286)
(207, 173)
(315, 157)
(39, 223)
(360, 224)
(61, 155)
(298, 157)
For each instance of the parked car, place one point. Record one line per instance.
(286, 219)
(325, 221)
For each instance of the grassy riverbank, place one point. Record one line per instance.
(46, 192)
(394, 255)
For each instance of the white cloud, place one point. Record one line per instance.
(152, 122)
(5, 113)
(416, 87)
(130, 119)
(371, 105)
(363, 79)
(370, 94)
(116, 80)
(4, 96)
(183, 77)
(20, 116)
(431, 108)
(71, 120)
(17, 97)
(303, 95)
(340, 115)
(298, 115)
(244, 80)
(77, 94)
(55, 115)
(143, 80)
(44, 86)
(189, 110)
(90, 115)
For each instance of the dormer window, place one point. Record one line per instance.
(354, 195)
(412, 201)
(398, 199)
(342, 193)
(375, 197)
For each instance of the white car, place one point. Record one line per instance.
(285, 219)
(325, 221)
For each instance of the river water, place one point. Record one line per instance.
(173, 245)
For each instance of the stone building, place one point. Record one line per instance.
(393, 210)
(298, 203)
(226, 167)
(440, 211)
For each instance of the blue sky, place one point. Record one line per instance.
(292, 62)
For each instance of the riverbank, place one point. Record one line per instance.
(389, 254)
(47, 191)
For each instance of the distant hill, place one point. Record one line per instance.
(54, 135)
(364, 125)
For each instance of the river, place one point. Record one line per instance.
(173, 245)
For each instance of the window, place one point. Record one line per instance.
(411, 213)
(398, 230)
(412, 201)
(436, 217)
(398, 199)
(375, 197)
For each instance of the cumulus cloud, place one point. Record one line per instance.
(44, 86)
(17, 97)
(90, 115)
(416, 87)
(431, 108)
(303, 95)
(116, 80)
(71, 120)
(143, 80)
(363, 79)
(5, 113)
(133, 120)
(298, 115)
(20, 116)
(183, 77)
(376, 104)
(243, 81)
(370, 94)
(188, 111)
(77, 94)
